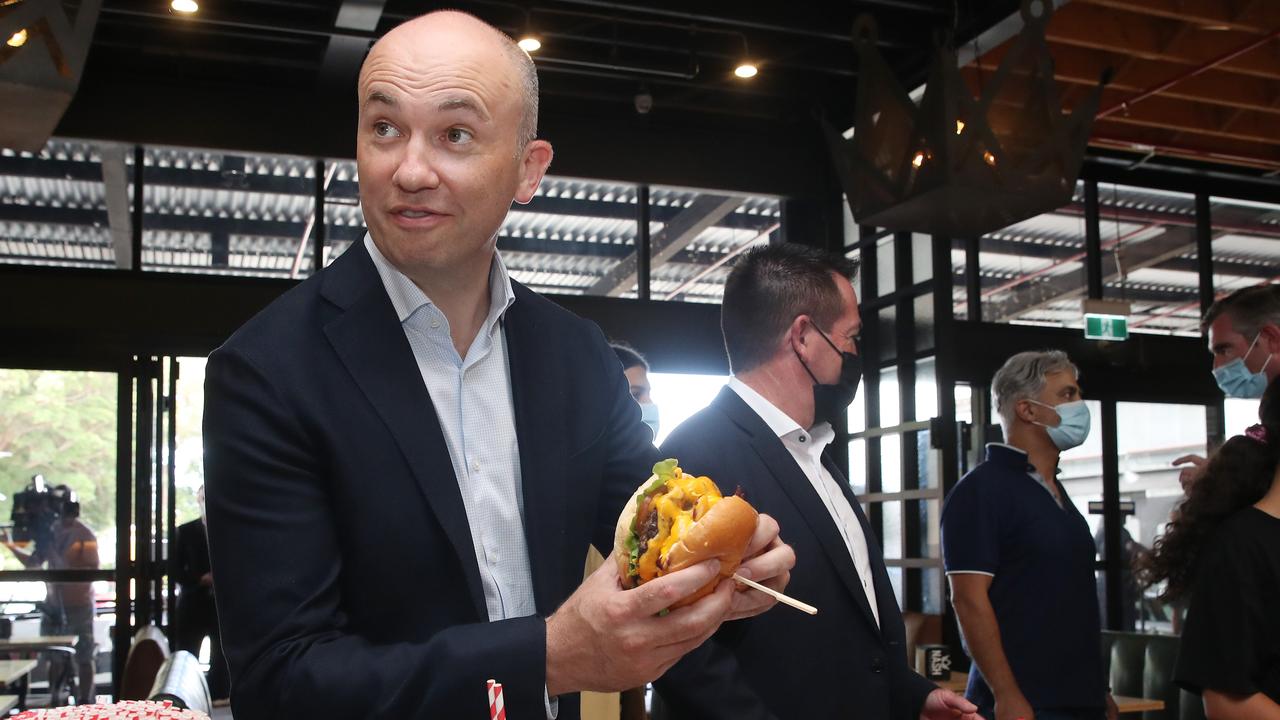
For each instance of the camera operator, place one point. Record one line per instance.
(62, 542)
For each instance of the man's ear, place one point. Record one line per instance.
(1270, 338)
(534, 162)
(796, 332)
(1025, 410)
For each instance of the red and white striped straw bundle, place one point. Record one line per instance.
(496, 709)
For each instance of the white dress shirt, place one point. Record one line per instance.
(806, 448)
(473, 402)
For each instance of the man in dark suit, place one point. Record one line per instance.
(408, 454)
(197, 616)
(790, 322)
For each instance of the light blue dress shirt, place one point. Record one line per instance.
(473, 402)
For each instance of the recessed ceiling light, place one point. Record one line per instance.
(530, 44)
(18, 39)
(186, 7)
(746, 70)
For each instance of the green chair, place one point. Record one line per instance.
(1141, 665)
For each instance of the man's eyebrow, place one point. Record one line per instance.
(377, 96)
(463, 103)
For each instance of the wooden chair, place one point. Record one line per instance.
(149, 651)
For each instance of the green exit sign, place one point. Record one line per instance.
(1105, 327)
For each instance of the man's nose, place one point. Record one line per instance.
(416, 170)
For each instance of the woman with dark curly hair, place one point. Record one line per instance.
(1222, 550)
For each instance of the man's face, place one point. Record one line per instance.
(437, 144)
(638, 379)
(823, 361)
(1226, 345)
(1059, 387)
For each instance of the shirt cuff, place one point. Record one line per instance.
(553, 704)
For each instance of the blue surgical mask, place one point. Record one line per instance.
(1236, 381)
(1073, 425)
(649, 415)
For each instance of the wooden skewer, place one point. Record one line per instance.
(784, 599)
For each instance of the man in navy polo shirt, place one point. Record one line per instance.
(1020, 556)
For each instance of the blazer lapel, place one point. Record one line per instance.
(539, 402)
(368, 338)
(784, 470)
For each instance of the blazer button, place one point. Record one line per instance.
(877, 665)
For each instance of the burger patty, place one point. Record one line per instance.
(648, 531)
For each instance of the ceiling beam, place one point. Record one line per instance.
(1090, 26)
(1173, 242)
(683, 229)
(1200, 119)
(1258, 18)
(1175, 117)
(1078, 66)
(115, 180)
(1166, 143)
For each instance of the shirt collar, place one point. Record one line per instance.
(779, 422)
(407, 297)
(1009, 455)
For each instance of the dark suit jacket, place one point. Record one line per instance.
(346, 578)
(784, 663)
(191, 562)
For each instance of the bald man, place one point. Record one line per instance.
(408, 454)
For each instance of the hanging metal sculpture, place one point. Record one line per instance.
(959, 165)
(42, 53)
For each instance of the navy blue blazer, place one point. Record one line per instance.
(784, 663)
(347, 586)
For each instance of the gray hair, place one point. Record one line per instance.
(528, 131)
(1250, 309)
(1022, 377)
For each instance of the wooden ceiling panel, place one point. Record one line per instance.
(1192, 78)
(1258, 18)
(1076, 66)
(1160, 39)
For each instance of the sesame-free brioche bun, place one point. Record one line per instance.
(695, 523)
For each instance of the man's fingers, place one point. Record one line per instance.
(767, 566)
(766, 534)
(661, 593)
(1195, 460)
(690, 626)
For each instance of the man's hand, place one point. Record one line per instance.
(1190, 475)
(945, 705)
(1014, 707)
(768, 561)
(607, 639)
(1113, 711)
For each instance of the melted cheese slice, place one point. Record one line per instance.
(681, 503)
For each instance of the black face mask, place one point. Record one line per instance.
(830, 402)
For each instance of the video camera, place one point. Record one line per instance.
(38, 507)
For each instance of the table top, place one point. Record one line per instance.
(13, 670)
(38, 642)
(1134, 704)
(7, 703)
(957, 683)
(959, 680)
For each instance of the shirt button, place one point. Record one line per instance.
(803, 438)
(475, 466)
(435, 324)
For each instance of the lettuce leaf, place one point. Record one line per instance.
(663, 471)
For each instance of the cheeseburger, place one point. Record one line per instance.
(676, 520)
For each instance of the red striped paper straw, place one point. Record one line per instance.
(496, 709)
